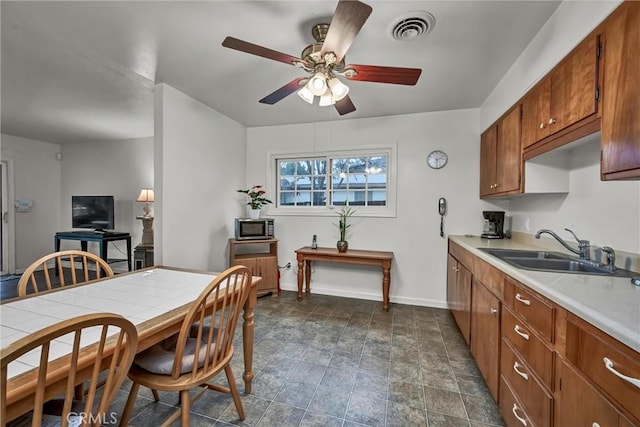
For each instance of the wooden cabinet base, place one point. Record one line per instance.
(261, 256)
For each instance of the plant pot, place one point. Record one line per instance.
(342, 245)
(254, 213)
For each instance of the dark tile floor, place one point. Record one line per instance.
(331, 361)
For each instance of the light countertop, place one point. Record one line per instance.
(611, 304)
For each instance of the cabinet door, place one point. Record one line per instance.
(485, 334)
(577, 403)
(509, 153)
(459, 295)
(247, 262)
(621, 109)
(535, 114)
(488, 150)
(573, 86)
(267, 268)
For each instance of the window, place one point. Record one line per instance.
(311, 184)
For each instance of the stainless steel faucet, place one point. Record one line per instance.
(611, 257)
(584, 246)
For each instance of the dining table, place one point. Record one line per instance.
(154, 299)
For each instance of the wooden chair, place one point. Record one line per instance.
(206, 336)
(116, 345)
(87, 259)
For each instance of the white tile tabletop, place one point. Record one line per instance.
(139, 297)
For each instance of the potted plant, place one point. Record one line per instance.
(342, 225)
(257, 199)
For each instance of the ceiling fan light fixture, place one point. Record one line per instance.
(317, 84)
(306, 94)
(327, 99)
(338, 89)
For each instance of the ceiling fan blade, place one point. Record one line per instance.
(347, 21)
(283, 92)
(345, 106)
(254, 49)
(378, 74)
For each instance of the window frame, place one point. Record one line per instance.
(273, 173)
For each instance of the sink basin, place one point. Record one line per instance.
(565, 265)
(502, 253)
(554, 261)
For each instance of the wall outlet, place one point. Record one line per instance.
(287, 265)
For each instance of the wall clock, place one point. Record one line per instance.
(437, 159)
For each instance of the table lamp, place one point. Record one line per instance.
(146, 196)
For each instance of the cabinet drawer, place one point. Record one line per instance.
(531, 348)
(537, 311)
(462, 255)
(536, 400)
(512, 410)
(587, 349)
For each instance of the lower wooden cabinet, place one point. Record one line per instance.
(542, 364)
(578, 403)
(261, 256)
(610, 365)
(459, 295)
(485, 334)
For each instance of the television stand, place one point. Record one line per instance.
(102, 238)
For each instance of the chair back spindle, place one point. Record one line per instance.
(89, 262)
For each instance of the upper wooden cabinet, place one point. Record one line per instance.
(567, 95)
(501, 157)
(620, 144)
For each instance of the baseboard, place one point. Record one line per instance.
(328, 289)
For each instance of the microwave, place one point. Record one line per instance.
(250, 229)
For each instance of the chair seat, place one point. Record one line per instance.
(166, 382)
(159, 360)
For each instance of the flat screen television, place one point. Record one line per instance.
(95, 212)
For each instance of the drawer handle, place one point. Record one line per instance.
(515, 414)
(608, 363)
(522, 300)
(524, 375)
(522, 334)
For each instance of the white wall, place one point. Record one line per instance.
(111, 168)
(603, 212)
(418, 274)
(200, 162)
(36, 174)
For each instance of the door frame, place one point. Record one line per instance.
(8, 226)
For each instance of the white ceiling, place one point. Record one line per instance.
(85, 70)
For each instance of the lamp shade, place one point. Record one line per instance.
(146, 195)
(317, 84)
(338, 89)
(326, 99)
(306, 94)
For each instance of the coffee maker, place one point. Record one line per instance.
(493, 225)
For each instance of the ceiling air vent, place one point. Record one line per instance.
(412, 25)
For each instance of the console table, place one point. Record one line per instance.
(102, 238)
(352, 256)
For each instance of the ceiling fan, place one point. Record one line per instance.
(325, 61)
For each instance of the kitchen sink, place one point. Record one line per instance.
(517, 253)
(554, 261)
